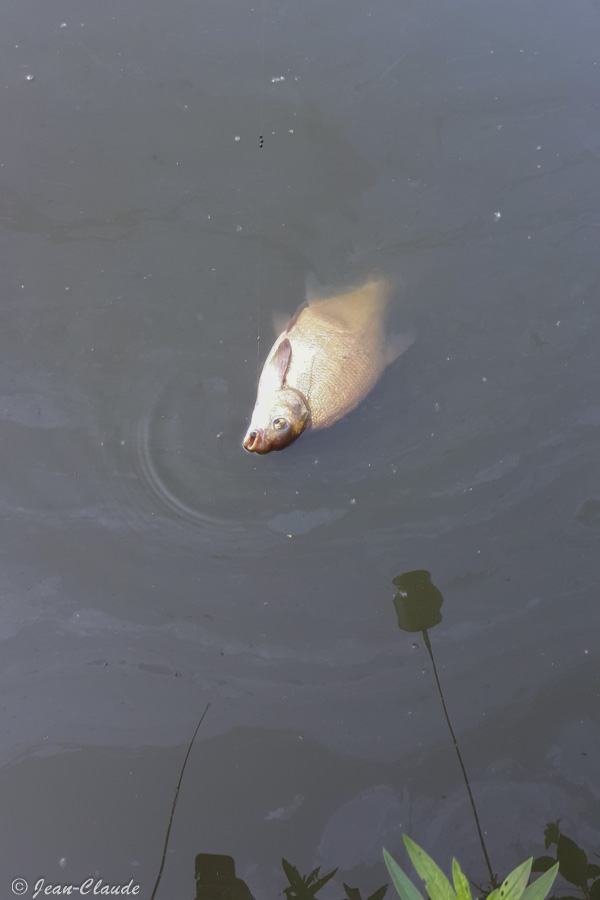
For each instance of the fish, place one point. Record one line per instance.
(322, 365)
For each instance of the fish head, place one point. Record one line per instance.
(278, 422)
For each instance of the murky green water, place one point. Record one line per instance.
(150, 566)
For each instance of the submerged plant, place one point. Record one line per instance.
(572, 862)
(514, 887)
(305, 887)
(354, 893)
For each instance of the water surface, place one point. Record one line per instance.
(170, 175)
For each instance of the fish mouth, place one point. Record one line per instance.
(254, 441)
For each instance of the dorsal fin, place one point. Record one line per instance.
(397, 344)
(356, 309)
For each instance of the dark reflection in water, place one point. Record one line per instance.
(418, 602)
(216, 880)
(418, 605)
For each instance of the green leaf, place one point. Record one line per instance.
(595, 890)
(572, 860)
(438, 886)
(351, 893)
(461, 884)
(379, 894)
(493, 895)
(401, 882)
(540, 888)
(514, 884)
(593, 871)
(551, 833)
(542, 863)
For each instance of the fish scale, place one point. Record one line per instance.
(334, 368)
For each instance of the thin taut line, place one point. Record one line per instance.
(260, 188)
(175, 798)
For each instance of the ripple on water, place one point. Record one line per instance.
(199, 486)
(186, 455)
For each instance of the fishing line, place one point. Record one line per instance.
(261, 117)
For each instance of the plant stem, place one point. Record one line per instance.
(175, 798)
(460, 761)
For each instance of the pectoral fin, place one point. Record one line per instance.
(283, 323)
(280, 362)
(280, 321)
(313, 289)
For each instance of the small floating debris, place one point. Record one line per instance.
(30, 77)
(497, 216)
(277, 78)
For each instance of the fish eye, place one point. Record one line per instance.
(280, 423)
